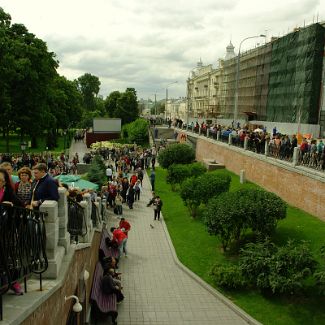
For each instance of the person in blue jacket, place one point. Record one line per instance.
(44, 186)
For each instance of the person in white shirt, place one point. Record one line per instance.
(109, 173)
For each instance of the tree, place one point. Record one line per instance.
(111, 103)
(225, 217)
(232, 213)
(89, 86)
(27, 71)
(176, 154)
(136, 132)
(96, 172)
(127, 106)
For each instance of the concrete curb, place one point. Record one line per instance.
(217, 294)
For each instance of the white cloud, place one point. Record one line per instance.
(148, 44)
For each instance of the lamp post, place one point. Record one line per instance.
(167, 97)
(238, 75)
(64, 139)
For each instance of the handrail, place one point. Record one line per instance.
(22, 246)
(77, 224)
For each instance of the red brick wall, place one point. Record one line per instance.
(298, 190)
(55, 311)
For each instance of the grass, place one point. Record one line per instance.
(14, 145)
(199, 252)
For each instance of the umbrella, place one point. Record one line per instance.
(76, 181)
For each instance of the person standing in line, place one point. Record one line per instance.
(152, 179)
(121, 238)
(130, 196)
(109, 173)
(44, 186)
(137, 190)
(125, 227)
(118, 202)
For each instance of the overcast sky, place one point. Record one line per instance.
(148, 44)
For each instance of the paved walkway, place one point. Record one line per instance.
(79, 147)
(156, 290)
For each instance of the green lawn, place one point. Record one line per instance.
(199, 252)
(14, 145)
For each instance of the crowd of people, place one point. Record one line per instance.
(125, 174)
(280, 146)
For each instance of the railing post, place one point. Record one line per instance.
(85, 205)
(230, 139)
(54, 252)
(266, 150)
(87, 198)
(64, 236)
(295, 156)
(245, 143)
(199, 130)
(218, 135)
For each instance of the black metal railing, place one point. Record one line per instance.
(77, 224)
(313, 160)
(22, 246)
(95, 214)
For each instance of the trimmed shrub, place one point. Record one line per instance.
(176, 154)
(269, 268)
(225, 216)
(195, 191)
(177, 173)
(263, 209)
(231, 214)
(277, 269)
(229, 276)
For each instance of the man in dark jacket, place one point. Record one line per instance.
(44, 186)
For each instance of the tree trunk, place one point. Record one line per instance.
(33, 141)
(7, 140)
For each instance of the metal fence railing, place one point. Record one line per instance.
(283, 151)
(77, 224)
(22, 246)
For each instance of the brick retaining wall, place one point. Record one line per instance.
(299, 190)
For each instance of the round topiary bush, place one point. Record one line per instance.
(176, 154)
(231, 213)
(177, 173)
(195, 191)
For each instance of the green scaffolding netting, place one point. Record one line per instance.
(295, 76)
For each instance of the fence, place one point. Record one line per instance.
(22, 246)
(282, 151)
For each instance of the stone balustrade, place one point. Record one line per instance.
(57, 236)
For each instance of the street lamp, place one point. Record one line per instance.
(167, 97)
(64, 139)
(23, 146)
(238, 75)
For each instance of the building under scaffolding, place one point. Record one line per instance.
(280, 81)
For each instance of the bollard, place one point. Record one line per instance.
(266, 150)
(230, 139)
(242, 176)
(295, 156)
(245, 143)
(218, 135)
(199, 130)
(208, 131)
